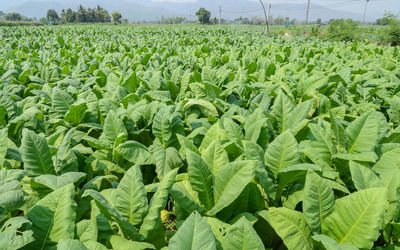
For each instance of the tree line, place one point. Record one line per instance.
(83, 15)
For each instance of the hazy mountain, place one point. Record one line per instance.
(137, 10)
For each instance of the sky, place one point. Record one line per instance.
(376, 8)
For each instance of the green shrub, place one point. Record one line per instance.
(343, 30)
(393, 33)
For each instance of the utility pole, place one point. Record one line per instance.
(365, 10)
(269, 12)
(308, 11)
(220, 11)
(266, 18)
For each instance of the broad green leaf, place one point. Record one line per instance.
(281, 109)
(230, 181)
(76, 113)
(12, 240)
(53, 217)
(215, 132)
(128, 230)
(66, 158)
(194, 233)
(61, 101)
(318, 201)
(135, 152)
(67, 244)
(215, 156)
(363, 177)
(363, 133)
(55, 182)
(325, 242)
(152, 227)
(162, 128)
(291, 226)
(11, 195)
(298, 114)
(3, 144)
(35, 154)
(338, 132)
(201, 178)
(131, 197)
(87, 230)
(207, 108)
(165, 160)
(242, 235)
(113, 128)
(357, 218)
(282, 152)
(120, 243)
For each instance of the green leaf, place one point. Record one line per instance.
(322, 241)
(76, 113)
(339, 132)
(11, 235)
(61, 101)
(87, 230)
(161, 127)
(67, 244)
(291, 226)
(135, 152)
(11, 195)
(53, 217)
(363, 133)
(282, 152)
(152, 227)
(201, 178)
(280, 111)
(55, 182)
(119, 243)
(165, 159)
(363, 177)
(207, 108)
(131, 197)
(184, 195)
(230, 181)
(128, 230)
(3, 144)
(215, 156)
(318, 202)
(194, 233)
(35, 154)
(242, 235)
(298, 114)
(66, 158)
(357, 218)
(113, 128)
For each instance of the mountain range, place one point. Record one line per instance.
(146, 10)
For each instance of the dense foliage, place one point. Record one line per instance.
(196, 138)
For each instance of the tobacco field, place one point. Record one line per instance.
(179, 137)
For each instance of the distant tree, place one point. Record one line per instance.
(70, 16)
(13, 16)
(80, 15)
(293, 21)
(102, 15)
(2, 14)
(203, 15)
(279, 20)
(343, 30)
(91, 15)
(52, 15)
(116, 16)
(319, 21)
(124, 20)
